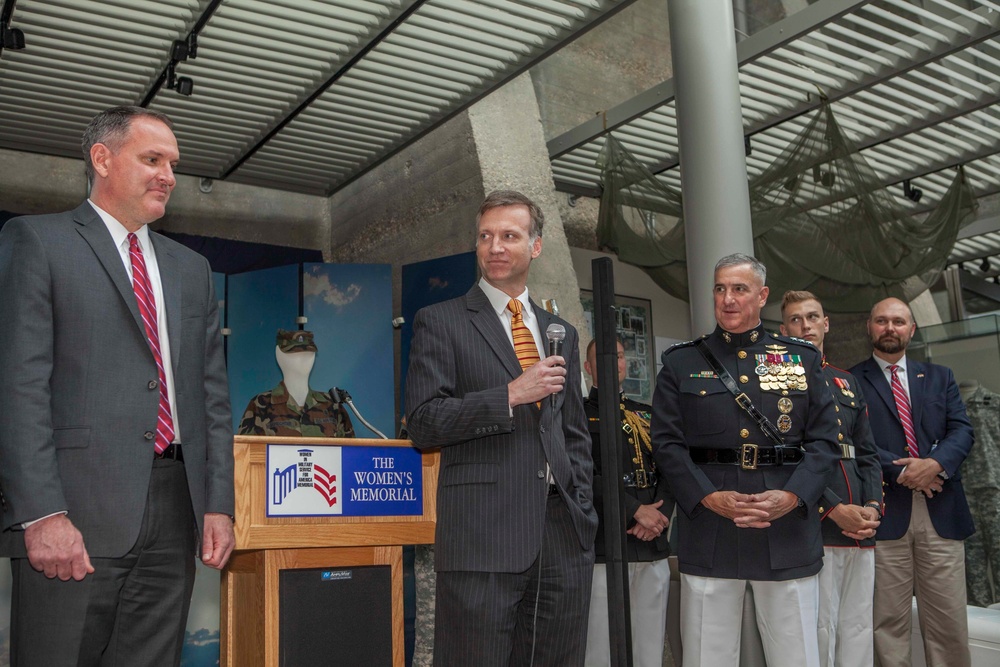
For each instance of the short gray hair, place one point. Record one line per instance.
(110, 127)
(500, 198)
(739, 259)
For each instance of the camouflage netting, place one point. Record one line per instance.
(821, 222)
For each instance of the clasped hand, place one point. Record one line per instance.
(751, 510)
(920, 475)
(649, 522)
(854, 521)
(542, 379)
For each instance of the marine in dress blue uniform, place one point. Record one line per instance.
(748, 509)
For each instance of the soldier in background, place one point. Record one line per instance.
(649, 504)
(851, 506)
(981, 471)
(292, 408)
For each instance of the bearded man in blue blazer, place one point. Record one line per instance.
(923, 436)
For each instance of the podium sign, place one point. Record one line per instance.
(345, 481)
(353, 504)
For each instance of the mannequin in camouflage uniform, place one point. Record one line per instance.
(981, 472)
(292, 408)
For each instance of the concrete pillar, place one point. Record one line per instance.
(507, 128)
(710, 135)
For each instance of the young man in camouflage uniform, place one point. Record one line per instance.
(851, 506)
(276, 412)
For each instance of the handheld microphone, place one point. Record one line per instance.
(556, 334)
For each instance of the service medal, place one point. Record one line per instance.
(785, 405)
(784, 423)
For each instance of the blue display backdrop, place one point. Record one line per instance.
(349, 307)
(427, 283)
(259, 303)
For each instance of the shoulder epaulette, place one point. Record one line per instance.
(677, 346)
(794, 340)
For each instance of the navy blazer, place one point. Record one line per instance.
(943, 433)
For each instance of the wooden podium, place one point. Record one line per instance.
(265, 546)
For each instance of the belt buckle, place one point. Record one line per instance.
(743, 401)
(748, 456)
(641, 479)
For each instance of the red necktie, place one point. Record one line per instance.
(147, 308)
(903, 408)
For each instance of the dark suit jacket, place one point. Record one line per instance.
(79, 374)
(492, 489)
(943, 433)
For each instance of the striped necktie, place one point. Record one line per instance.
(903, 408)
(524, 342)
(147, 308)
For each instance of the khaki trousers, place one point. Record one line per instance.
(924, 564)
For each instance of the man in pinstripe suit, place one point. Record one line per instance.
(516, 522)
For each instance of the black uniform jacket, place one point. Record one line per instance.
(636, 489)
(856, 480)
(692, 410)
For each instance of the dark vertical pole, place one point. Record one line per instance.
(605, 318)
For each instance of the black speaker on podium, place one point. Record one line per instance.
(336, 616)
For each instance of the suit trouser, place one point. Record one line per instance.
(648, 592)
(491, 619)
(131, 612)
(712, 620)
(933, 568)
(846, 585)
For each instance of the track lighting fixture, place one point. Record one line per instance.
(985, 266)
(12, 38)
(912, 193)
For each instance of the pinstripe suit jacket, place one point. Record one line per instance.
(81, 393)
(492, 488)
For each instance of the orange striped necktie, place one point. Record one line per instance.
(524, 342)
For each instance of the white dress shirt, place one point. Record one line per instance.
(120, 236)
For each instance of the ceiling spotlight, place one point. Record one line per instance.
(824, 178)
(12, 38)
(911, 193)
(185, 86)
(747, 147)
(985, 266)
(179, 50)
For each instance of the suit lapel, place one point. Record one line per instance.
(170, 280)
(915, 379)
(92, 228)
(485, 320)
(876, 378)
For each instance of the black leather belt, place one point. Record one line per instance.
(640, 479)
(749, 456)
(173, 451)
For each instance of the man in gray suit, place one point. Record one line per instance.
(516, 522)
(116, 436)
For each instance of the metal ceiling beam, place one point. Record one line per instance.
(916, 58)
(555, 46)
(162, 78)
(760, 44)
(305, 104)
